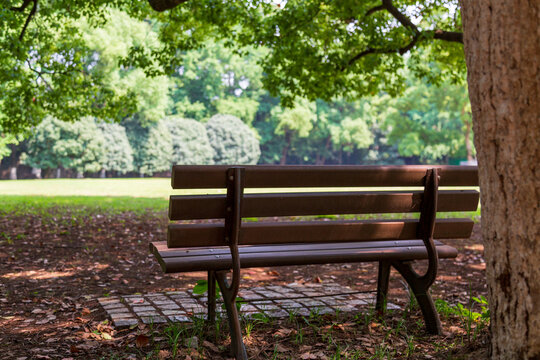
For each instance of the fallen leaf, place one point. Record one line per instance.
(142, 340)
(86, 311)
(73, 349)
(164, 354)
(211, 346)
(308, 355)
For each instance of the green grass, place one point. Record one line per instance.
(119, 195)
(145, 187)
(38, 204)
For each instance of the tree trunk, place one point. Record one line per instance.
(14, 160)
(285, 149)
(58, 173)
(13, 173)
(503, 59)
(36, 172)
(102, 174)
(468, 128)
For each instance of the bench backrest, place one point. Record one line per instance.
(275, 204)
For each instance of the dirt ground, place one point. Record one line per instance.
(52, 270)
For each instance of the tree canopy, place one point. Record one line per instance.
(310, 49)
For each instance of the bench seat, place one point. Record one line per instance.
(219, 258)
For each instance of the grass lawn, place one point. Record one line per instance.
(118, 195)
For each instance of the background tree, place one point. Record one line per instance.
(213, 79)
(291, 123)
(110, 44)
(232, 140)
(152, 146)
(45, 65)
(189, 141)
(429, 122)
(57, 144)
(118, 155)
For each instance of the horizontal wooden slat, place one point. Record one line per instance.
(175, 260)
(275, 176)
(197, 235)
(323, 203)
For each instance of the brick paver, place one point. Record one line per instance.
(274, 301)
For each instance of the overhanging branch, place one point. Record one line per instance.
(407, 23)
(30, 15)
(402, 50)
(448, 36)
(23, 7)
(162, 5)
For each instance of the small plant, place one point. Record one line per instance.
(472, 321)
(410, 346)
(261, 318)
(174, 336)
(299, 336)
(382, 351)
(248, 328)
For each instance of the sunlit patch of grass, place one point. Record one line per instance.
(38, 205)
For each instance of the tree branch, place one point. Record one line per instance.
(39, 75)
(448, 36)
(30, 15)
(22, 7)
(406, 22)
(402, 50)
(162, 5)
(403, 20)
(374, 10)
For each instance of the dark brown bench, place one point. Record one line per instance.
(231, 245)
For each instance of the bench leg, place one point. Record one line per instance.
(237, 343)
(211, 298)
(382, 286)
(421, 292)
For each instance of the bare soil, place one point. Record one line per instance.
(53, 268)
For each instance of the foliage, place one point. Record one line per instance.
(325, 49)
(189, 141)
(5, 141)
(214, 79)
(152, 146)
(217, 62)
(429, 122)
(45, 65)
(77, 146)
(351, 134)
(118, 152)
(232, 140)
(110, 43)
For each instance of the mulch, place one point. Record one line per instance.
(54, 267)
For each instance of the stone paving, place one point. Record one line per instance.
(274, 301)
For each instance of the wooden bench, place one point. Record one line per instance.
(231, 245)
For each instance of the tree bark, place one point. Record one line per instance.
(503, 58)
